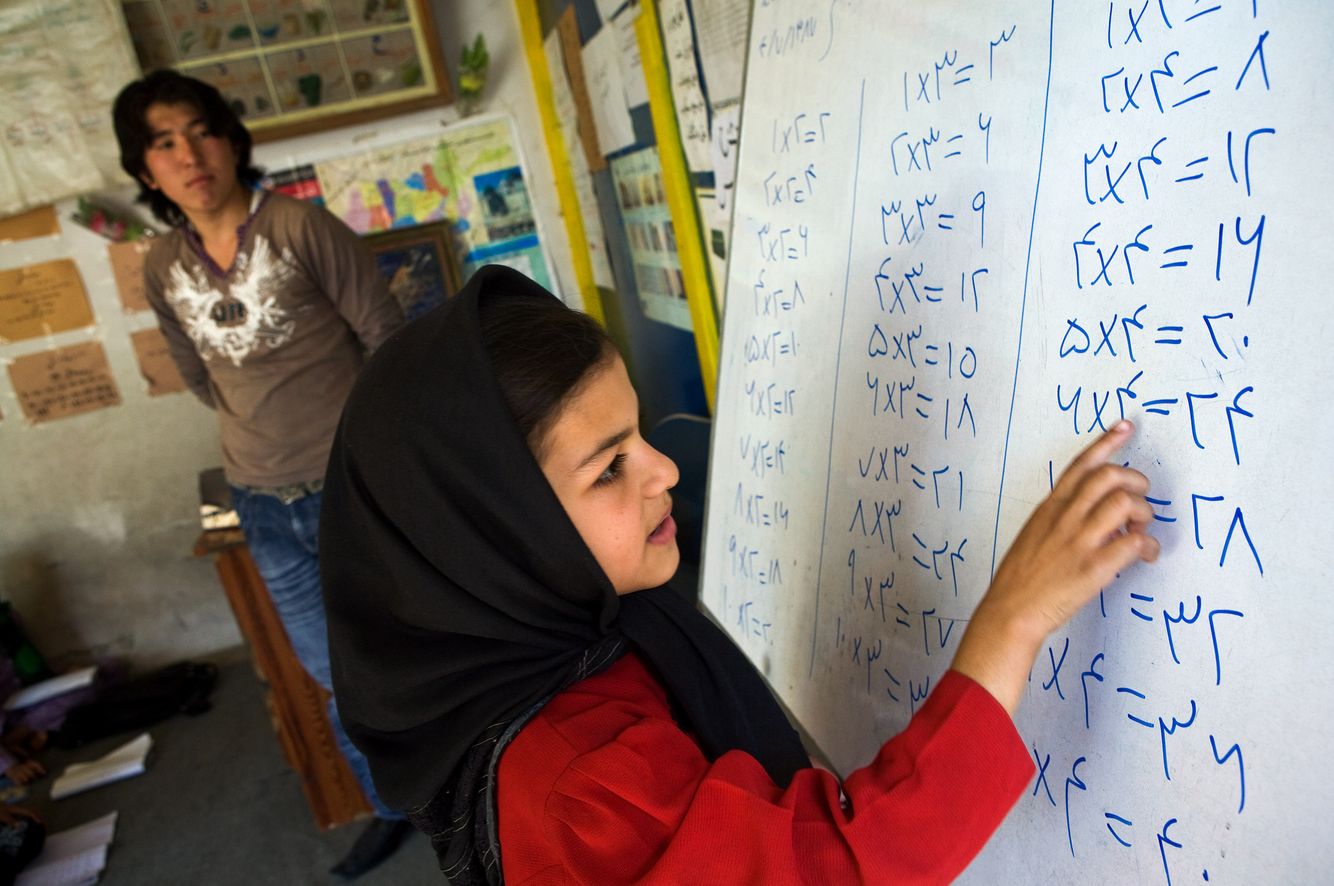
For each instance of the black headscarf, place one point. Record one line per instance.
(461, 598)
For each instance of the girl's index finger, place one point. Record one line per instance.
(1094, 456)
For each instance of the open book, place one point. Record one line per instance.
(124, 762)
(37, 692)
(73, 857)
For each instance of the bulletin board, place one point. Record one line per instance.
(969, 239)
(290, 67)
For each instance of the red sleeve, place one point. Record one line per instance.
(645, 806)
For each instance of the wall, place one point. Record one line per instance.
(98, 512)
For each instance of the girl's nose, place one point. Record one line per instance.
(665, 474)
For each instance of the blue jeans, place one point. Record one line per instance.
(284, 543)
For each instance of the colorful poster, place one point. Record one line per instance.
(470, 175)
(299, 182)
(63, 382)
(41, 299)
(648, 229)
(407, 184)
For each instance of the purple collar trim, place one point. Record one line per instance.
(257, 200)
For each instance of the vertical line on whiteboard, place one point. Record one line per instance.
(1023, 302)
(838, 360)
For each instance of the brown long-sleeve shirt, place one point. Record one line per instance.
(273, 343)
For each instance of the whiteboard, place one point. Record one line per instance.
(967, 238)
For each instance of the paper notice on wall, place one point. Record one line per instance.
(722, 26)
(692, 111)
(606, 92)
(127, 267)
(608, 8)
(61, 65)
(632, 68)
(723, 150)
(39, 222)
(155, 363)
(41, 299)
(579, 174)
(649, 231)
(568, 28)
(63, 382)
(717, 227)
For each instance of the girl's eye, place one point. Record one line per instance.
(613, 471)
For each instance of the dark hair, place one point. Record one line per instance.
(542, 352)
(171, 88)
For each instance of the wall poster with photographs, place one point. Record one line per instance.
(295, 66)
(471, 174)
(418, 264)
(648, 229)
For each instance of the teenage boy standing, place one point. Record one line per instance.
(269, 306)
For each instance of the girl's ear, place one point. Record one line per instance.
(148, 181)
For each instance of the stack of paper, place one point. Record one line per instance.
(72, 858)
(50, 688)
(124, 762)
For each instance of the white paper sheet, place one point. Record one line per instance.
(632, 68)
(722, 26)
(692, 111)
(606, 92)
(582, 178)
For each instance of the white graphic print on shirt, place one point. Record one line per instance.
(256, 280)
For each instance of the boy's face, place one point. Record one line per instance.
(191, 166)
(612, 483)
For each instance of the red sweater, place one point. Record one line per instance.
(603, 787)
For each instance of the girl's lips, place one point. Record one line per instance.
(665, 532)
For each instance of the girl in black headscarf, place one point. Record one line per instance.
(495, 538)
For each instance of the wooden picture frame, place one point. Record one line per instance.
(292, 67)
(419, 265)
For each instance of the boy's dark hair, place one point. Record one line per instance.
(542, 352)
(132, 133)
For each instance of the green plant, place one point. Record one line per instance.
(472, 69)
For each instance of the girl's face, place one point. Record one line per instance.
(612, 483)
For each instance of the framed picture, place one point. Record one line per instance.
(290, 67)
(419, 265)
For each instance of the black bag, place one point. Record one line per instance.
(20, 843)
(136, 704)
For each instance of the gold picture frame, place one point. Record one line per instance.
(292, 67)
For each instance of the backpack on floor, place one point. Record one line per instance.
(138, 703)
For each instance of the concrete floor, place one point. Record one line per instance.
(218, 805)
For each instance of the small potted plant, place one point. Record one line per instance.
(472, 75)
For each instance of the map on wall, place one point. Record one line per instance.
(471, 175)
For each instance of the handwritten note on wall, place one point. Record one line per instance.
(967, 240)
(127, 268)
(63, 382)
(42, 299)
(156, 365)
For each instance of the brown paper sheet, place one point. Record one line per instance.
(127, 266)
(42, 298)
(155, 363)
(39, 222)
(574, 66)
(64, 382)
